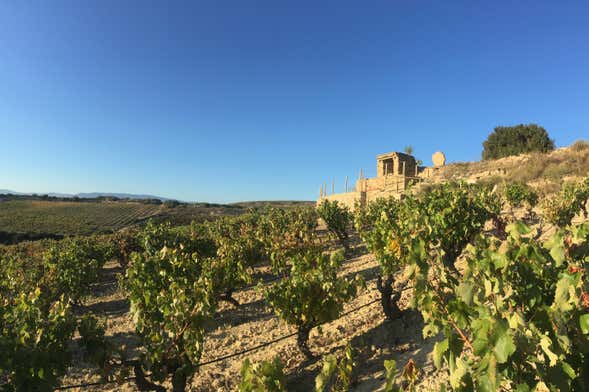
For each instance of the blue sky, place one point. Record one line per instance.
(257, 100)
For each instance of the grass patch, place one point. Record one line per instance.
(553, 167)
(580, 145)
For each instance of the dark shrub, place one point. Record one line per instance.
(506, 141)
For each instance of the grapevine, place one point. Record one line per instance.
(238, 250)
(286, 233)
(266, 376)
(312, 294)
(33, 342)
(338, 220)
(563, 207)
(518, 195)
(171, 300)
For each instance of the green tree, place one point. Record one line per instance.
(514, 140)
(171, 203)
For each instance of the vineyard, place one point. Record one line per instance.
(461, 287)
(77, 218)
(32, 219)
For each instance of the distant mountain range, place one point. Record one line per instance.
(88, 195)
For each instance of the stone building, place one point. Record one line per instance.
(395, 171)
(395, 163)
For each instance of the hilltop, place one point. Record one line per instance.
(546, 172)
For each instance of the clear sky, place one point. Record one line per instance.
(257, 100)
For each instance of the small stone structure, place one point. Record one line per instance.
(395, 171)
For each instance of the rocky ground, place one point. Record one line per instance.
(253, 323)
(545, 172)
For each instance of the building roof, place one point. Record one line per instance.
(393, 154)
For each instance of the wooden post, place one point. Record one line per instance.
(346, 184)
(332, 187)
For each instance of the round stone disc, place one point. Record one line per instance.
(439, 159)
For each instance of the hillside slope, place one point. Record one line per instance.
(544, 171)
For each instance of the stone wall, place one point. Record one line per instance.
(370, 189)
(390, 183)
(348, 199)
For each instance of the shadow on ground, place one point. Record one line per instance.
(115, 307)
(108, 280)
(398, 339)
(244, 313)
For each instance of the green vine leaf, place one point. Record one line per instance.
(504, 347)
(584, 323)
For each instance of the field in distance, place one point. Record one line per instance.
(26, 218)
(70, 217)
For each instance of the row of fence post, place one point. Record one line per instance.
(323, 189)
